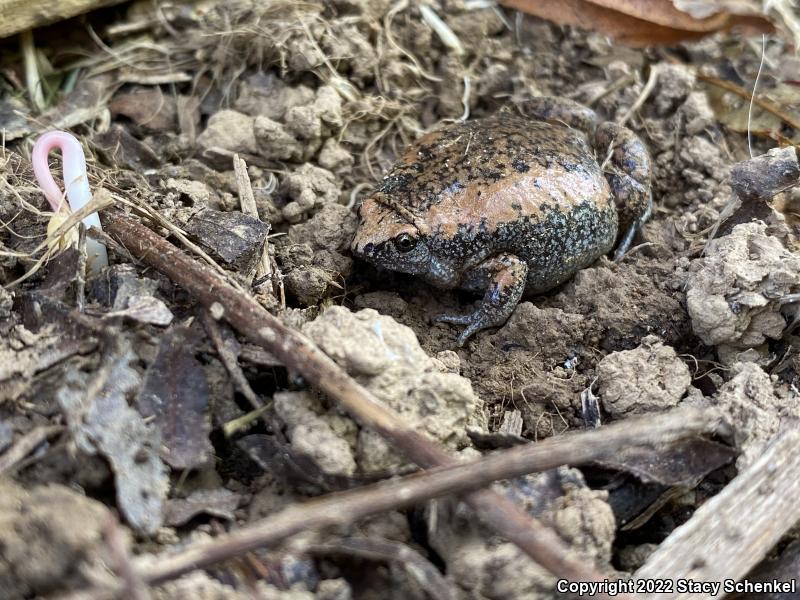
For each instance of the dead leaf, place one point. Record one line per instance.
(149, 108)
(86, 102)
(683, 463)
(735, 112)
(119, 148)
(638, 23)
(98, 415)
(23, 353)
(175, 395)
(218, 503)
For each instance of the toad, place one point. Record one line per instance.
(508, 205)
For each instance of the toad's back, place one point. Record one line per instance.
(505, 183)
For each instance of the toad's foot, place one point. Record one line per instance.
(627, 239)
(503, 277)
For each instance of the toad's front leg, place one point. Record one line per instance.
(503, 277)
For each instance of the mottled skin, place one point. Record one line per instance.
(508, 205)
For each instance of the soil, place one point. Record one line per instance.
(156, 427)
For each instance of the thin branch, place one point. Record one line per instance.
(27, 444)
(247, 201)
(134, 586)
(347, 507)
(767, 105)
(230, 362)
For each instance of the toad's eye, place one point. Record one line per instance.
(404, 242)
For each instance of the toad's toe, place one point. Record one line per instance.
(474, 322)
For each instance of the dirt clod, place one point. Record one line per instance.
(489, 569)
(648, 378)
(307, 188)
(755, 409)
(229, 130)
(387, 359)
(315, 435)
(733, 293)
(49, 534)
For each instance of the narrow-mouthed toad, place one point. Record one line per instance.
(508, 205)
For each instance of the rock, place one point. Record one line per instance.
(229, 130)
(333, 156)
(697, 113)
(311, 435)
(267, 95)
(233, 238)
(274, 142)
(295, 130)
(308, 284)
(647, 379)
(387, 359)
(734, 291)
(199, 586)
(306, 188)
(334, 589)
(196, 192)
(675, 83)
(330, 229)
(314, 261)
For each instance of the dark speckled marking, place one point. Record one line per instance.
(520, 166)
(583, 235)
(497, 147)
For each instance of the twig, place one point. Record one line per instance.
(248, 203)
(347, 507)
(230, 362)
(732, 532)
(27, 444)
(417, 566)
(33, 79)
(135, 587)
(655, 71)
(298, 353)
(767, 105)
(229, 428)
